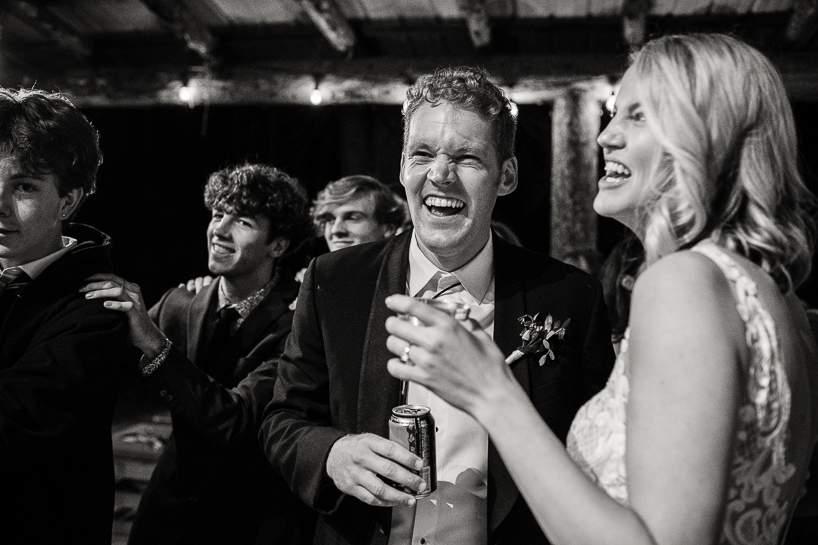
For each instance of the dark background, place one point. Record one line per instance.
(149, 196)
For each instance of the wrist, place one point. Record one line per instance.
(148, 366)
(498, 401)
(152, 344)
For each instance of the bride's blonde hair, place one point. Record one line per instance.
(728, 170)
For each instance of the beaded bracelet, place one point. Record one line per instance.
(149, 366)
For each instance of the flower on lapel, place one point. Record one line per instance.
(292, 305)
(536, 335)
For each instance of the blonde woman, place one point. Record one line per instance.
(705, 428)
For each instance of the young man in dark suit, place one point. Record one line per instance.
(326, 427)
(212, 484)
(58, 352)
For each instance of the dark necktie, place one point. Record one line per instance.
(219, 339)
(12, 279)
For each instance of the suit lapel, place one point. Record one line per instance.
(510, 304)
(266, 313)
(378, 392)
(197, 320)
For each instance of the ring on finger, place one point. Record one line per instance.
(404, 358)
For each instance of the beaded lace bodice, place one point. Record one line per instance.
(756, 509)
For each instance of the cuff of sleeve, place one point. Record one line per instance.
(147, 366)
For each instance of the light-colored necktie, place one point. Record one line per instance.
(441, 283)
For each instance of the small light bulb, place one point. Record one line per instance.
(185, 93)
(513, 107)
(315, 97)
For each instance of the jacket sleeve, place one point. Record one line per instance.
(220, 414)
(63, 384)
(296, 433)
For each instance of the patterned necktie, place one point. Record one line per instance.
(12, 278)
(441, 283)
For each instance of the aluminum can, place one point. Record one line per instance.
(413, 427)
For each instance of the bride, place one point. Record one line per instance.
(705, 428)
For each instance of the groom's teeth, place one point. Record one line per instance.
(443, 203)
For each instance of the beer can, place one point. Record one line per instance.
(413, 427)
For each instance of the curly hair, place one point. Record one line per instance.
(470, 89)
(728, 170)
(47, 134)
(252, 189)
(389, 208)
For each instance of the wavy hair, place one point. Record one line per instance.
(470, 89)
(390, 209)
(252, 189)
(728, 170)
(47, 134)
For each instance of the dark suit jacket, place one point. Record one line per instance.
(333, 378)
(59, 355)
(212, 483)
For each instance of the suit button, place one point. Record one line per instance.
(163, 393)
(169, 398)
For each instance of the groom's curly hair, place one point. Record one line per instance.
(470, 89)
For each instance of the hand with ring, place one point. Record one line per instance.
(124, 296)
(455, 359)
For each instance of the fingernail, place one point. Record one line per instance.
(89, 295)
(82, 289)
(388, 299)
(108, 304)
(422, 486)
(410, 502)
(419, 464)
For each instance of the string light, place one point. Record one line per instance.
(315, 97)
(611, 102)
(513, 107)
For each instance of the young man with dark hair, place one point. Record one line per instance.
(58, 352)
(202, 351)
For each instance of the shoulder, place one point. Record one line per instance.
(361, 260)
(685, 295)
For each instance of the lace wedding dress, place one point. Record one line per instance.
(760, 495)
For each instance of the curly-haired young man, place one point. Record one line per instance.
(203, 351)
(58, 352)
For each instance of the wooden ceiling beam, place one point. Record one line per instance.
(477, 21)
(34, 15)
(803, 23)
(187, 27)
(328, 19)
(526, 80)
(634, 20)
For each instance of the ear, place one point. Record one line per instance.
(388, 229)
(402, 163)
(70, 202)
(508, 177)
(277, 247)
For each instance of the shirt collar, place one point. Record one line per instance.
(246, 305)
(476, 275)
(36, 267)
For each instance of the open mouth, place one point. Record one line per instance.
(439, 206)
(616, 172)
(218, 249)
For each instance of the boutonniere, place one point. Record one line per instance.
(292, 305)
(536, 335)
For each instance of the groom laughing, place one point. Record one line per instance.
(326, 427)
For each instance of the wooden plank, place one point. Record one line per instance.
(477, 21)
(732, 6)
(769, 6)
(662, 7)
(257, 12)
(803, 23)
(574, 174)
(500, 8)
(186, 27)
(605, 8)
(691, 7)
(49, 25)
(538, 8)
(329, 20)
(106, 16)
